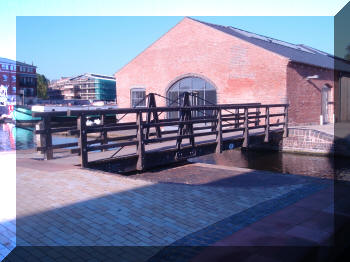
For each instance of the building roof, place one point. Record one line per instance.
(91, 75)
(9, 61)
(6, 60)
(295, 52)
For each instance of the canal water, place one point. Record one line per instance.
(17, 138)
(287, 163)
(12, 138)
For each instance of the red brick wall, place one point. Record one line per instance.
(241, 72)
(304, 96)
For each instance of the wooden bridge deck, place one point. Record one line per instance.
(142, 144)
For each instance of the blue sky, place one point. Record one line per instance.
(61, 45)
(67, 46)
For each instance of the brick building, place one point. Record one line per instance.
(19, 79)
(87, 86)
(223, 64)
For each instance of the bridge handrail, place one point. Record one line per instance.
(241, 119)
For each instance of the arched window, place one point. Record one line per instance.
(202, 93)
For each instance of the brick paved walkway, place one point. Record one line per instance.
(193, 205)
(79, 207)
(7, 202)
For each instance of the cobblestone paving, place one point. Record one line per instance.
(76, 207)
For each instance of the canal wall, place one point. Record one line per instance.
(306, 140)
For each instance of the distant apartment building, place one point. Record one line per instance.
(19, 79)
(87, 87)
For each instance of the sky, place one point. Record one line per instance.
(76, 37)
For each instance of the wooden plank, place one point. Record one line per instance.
(229, 125)
(285, 130)
(257, 114)
(104, 137)
(81, 124)
(110, 128)
(237, 124)
(275, 115)
(267, 129)
(219, 133)
(57, 146)
(277, 124)
(140, 149)
(175, 123)
(170, 138)
(229, 130)
(62, 129)
(232, 118)
(48, 138)
(49, 114)
(40, 135)
(246, 129)
(109, 146)
(152, 104)
(167, 109)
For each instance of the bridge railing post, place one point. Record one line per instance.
(104, 138)
(237, 117)
(219, 141)
(45, 139)
(285, 129)
(151, 103)
(213, 123)
(140, 148)
(246, 129)
(267, 122)
(48, 137)
(82, 142)
(257, 114)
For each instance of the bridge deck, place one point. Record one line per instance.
(98, 159)
(150, 141)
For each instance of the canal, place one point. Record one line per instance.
(287, 163)
(13, 137)
(17, 138)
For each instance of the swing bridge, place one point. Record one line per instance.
(139, 138)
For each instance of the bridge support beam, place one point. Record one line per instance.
(267, 122)
(246, 129)
(140, 143)
(45, 140)
(82, 143)
(104, 137)
(152, 104)
(219, 133)
(285, 127)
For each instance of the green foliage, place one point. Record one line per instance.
(42, 85)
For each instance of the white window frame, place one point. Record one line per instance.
(137, 89)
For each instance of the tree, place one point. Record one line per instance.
(42, 85)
